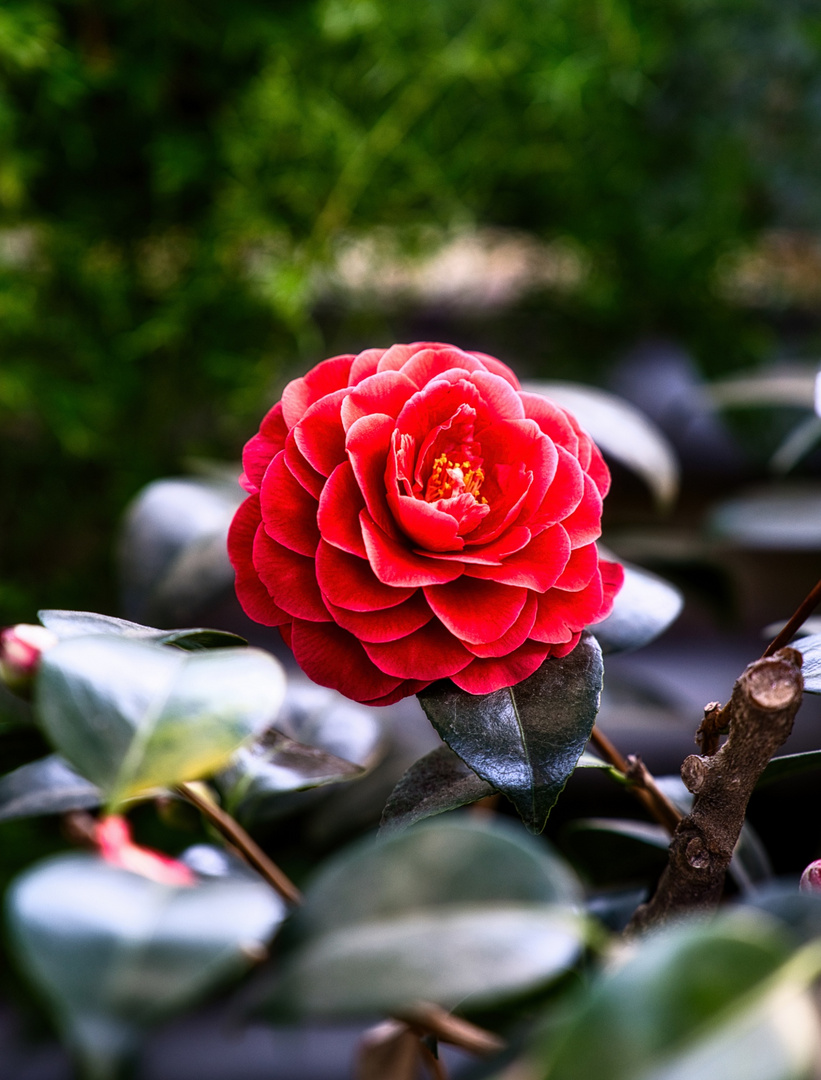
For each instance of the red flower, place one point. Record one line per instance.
(414, 515)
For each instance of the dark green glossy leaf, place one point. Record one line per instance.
(621, 430)
(717, 999)
(112, 952)
(782, 768)
(437, 782)
(644, 608)
(276, 764)
(524, 740)
(47, 786)
(323, 718)
(68, 624)
(447, 909)
(810, 649)
(471, 956)
(132, 716)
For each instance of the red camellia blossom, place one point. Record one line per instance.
(414, 515)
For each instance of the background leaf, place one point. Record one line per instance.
(68, 624)
(47, 786)
(525, 740)
(644, 608)
(810, 649)
(733, 1008)
(620, 430)
(781, 768)
(444, 910)
(786, 518)
(132, 716)
(112, 952)
(437, 782)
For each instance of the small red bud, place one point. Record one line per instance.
(811, 879)
(113, 838)
(21, 647)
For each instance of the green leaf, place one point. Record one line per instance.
(273, 765)
(470, 957)
(700, 1000)
(448, 909)
(788, 765)
(810, 649)
(524, 740)
(112, 952)
(437, 782)
(323, 718)
(132, 716)
(68, 624)
(620, 430)
(786, 518)
(644, 608)
(47, 786)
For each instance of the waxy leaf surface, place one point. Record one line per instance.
(643, 609)
(47, 786)
(67, 624)
(525, 740)
(112, 952)
(132, 716)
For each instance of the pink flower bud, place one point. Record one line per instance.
(21, 647)
(811, 878)
(113, 837)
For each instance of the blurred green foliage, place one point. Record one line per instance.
(172, 176)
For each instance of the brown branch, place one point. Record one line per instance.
(802, 613)
(643, 785)
(760, 717)
(250, 851)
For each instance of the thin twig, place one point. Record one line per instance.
(643, 784)
(250, 850)
(802, 613)
(431, 1019)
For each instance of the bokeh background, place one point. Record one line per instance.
(198, 200)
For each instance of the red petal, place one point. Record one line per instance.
(394, 358)
(612, 580)
(562, 650)
(535, 567)
(584, 524)
(426, 364)
(564, 494)
(562, 614)
(320, 435)
(387, 624)
(397, 565)
(517, 635)
(497, 367)
(339, 507)
(310, 479)
(429, 653)
(288, 510)
(350, 582)
(254, 598)
(581, 566)
(365, 365)
(299, 395)
(264, 446)
(501, 401)
(425, 524)
(494, 553)
(440, 404)
(368, 445)
(333, 657)
(553, 421)
(290, 577)
(487, 676)
(598, 472)
(476, 611)
(385, 393)
(405, 689)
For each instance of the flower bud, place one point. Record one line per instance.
(21, 647)
(113, 839)
(811, 879)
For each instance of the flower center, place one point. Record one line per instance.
(449, 478)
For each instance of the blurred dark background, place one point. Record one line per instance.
(198, 200)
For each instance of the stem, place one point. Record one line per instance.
(643, 786)
(250, 850)
(802, 613)
(760, 715)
